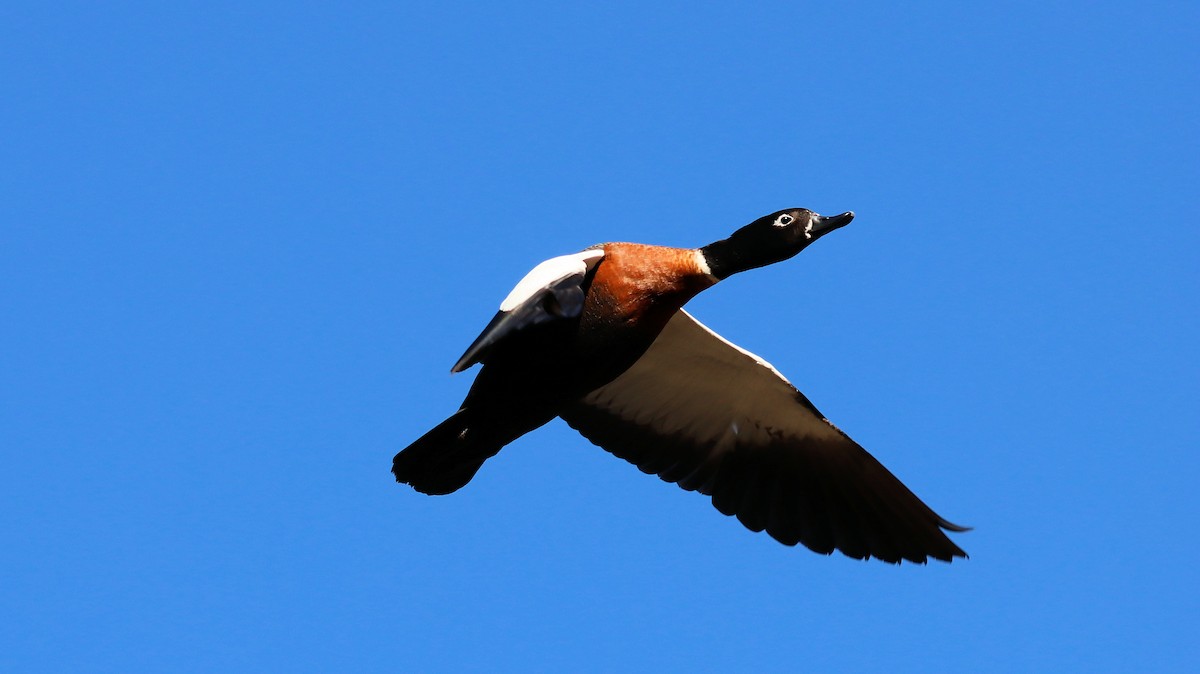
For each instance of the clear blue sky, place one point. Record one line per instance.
(241, 245)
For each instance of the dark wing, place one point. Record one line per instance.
(550, 291)
(713, 418)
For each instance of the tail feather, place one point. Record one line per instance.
(447, 457)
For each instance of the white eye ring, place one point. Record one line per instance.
(783, 220)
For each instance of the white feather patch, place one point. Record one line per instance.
(548, 272)
(702, 264)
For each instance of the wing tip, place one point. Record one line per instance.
(956, 528)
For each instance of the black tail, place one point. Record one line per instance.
(447, 457)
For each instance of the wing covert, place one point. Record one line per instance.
(553, 290)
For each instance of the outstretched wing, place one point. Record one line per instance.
(550, 291)
(714, 418)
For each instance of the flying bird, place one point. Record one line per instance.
(600, 339)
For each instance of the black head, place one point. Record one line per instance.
(770, 239)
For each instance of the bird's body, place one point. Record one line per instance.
(599, 338)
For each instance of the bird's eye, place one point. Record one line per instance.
(783, 220)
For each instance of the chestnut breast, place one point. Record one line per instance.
(634, 292)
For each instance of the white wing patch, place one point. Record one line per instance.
(546, 273)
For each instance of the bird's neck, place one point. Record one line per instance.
(727, 257)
